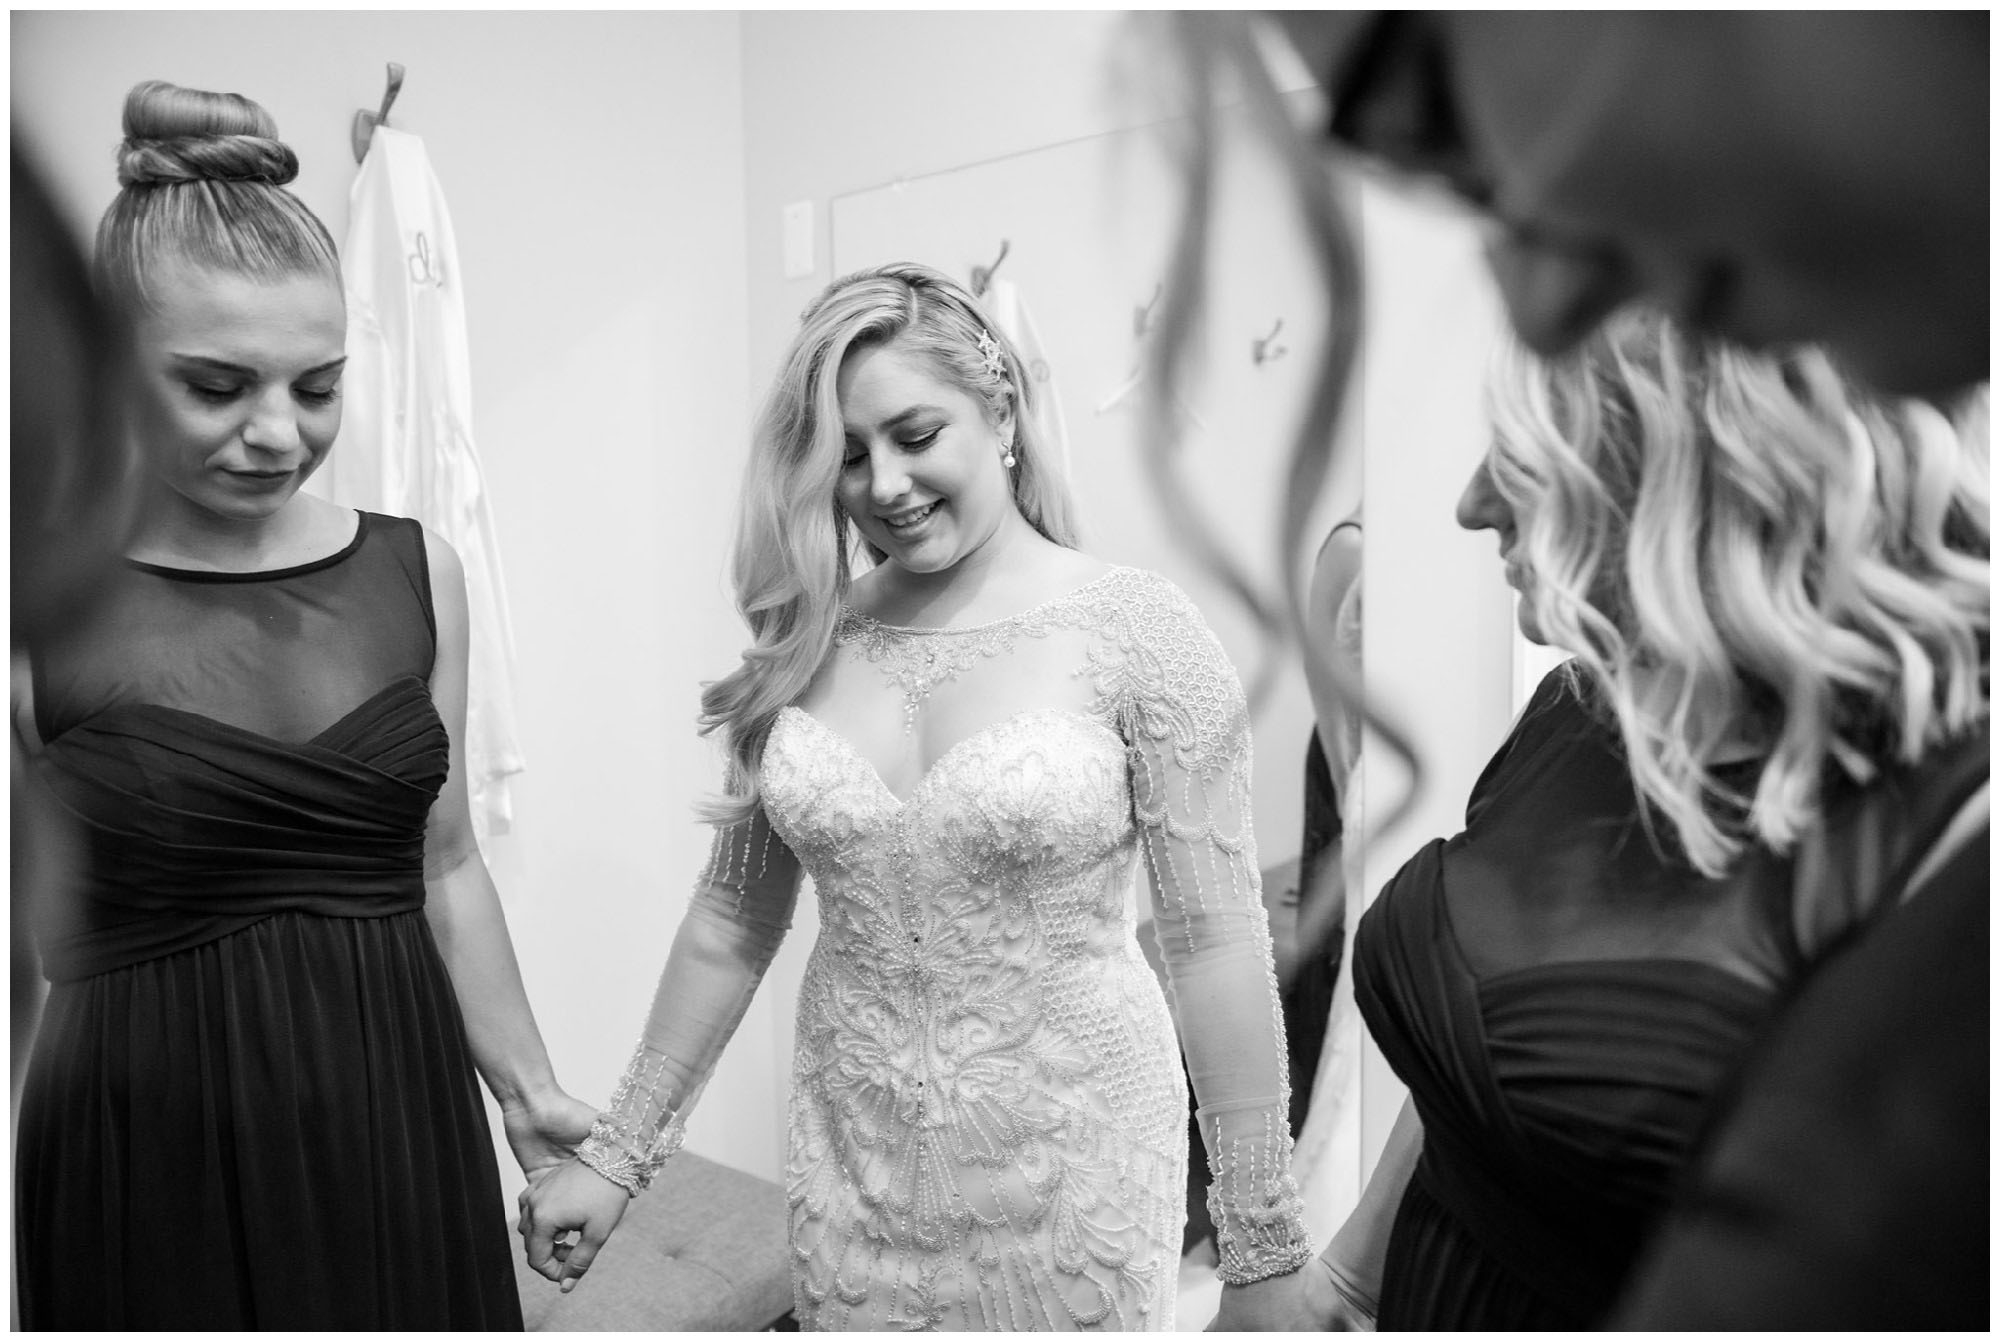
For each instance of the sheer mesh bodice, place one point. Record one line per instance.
(251, 1102)
(285, 654)
(988, 1117)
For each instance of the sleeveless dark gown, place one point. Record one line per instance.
(251, 1103)
(1564, 1004)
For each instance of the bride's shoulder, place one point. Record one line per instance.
(1155, 589)
(1142, 608)
(1073, 569)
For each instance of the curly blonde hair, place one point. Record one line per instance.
(1749, 557)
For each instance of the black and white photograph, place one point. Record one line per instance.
(976, 670)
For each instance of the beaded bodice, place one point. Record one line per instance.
(988, 1114)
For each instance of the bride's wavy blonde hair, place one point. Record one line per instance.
(1745, 552)
(794, 551)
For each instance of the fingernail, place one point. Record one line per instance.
(567, 1283)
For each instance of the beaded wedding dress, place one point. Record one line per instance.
(988, 1114)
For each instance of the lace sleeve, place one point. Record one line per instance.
(741, 910)
(1189, 735)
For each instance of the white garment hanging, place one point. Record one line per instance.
(405, 443)
(1003, 302)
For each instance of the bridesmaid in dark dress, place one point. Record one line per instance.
(252, 1100)
(1766, 728)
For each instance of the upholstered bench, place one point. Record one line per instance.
(705, 1249)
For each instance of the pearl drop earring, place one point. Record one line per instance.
(1008, 459)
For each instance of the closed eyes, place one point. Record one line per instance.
(215, 394)
(856, 455)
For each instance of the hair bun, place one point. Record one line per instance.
(175, 134)
(214, 158)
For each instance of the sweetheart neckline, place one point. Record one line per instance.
(923, 781)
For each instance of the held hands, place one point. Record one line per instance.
(1309, 1300)
(546, 1130)
(559, 1199)
(562, 1195)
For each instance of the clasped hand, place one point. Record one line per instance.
(1308, 1300)
(562, 1195)
(561, 1199)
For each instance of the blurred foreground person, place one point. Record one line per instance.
(1776, 177)
(1771, 178)
(75, 483)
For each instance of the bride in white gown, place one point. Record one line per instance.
(970, 747)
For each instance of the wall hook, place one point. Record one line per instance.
(1265, 350)
(1142, 317)
(982, 276)
(366, 121)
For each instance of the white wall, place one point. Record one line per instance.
(836, 102)
(1437, 622)
(594, 168)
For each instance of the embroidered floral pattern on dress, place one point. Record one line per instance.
(988, 1118)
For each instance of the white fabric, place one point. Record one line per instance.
(988, 1116)
(1010, 313)
(405, 445)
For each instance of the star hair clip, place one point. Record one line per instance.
(989, 349)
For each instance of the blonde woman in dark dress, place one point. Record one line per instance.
(252, 1101)
(1765, 727)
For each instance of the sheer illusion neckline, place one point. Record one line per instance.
(1000, 623)
(260, 575)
